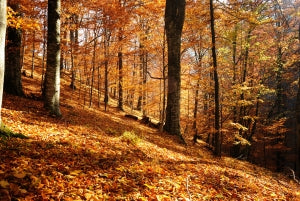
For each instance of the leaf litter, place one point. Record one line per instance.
(85, 156)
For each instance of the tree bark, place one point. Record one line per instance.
(12, 78)
(52, 77)
(298, 112)
(2, 47)
(106, 55)
(33, 55)
(174, 19)
(120, 66)
(217, 136)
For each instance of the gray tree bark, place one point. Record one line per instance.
(52, 77)
(12, 77)
(2, 47)
(174, 19)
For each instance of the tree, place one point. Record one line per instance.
(217, 137)
(2, 47)
(174, 19)
(12, 78)
(298, 111)
(52, 78)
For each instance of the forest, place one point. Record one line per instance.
(150, 100)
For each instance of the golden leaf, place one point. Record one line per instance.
(4, 184)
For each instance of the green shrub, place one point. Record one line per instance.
(130, 136)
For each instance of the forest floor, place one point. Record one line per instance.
(90, 154)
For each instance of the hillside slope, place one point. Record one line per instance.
(89, 154)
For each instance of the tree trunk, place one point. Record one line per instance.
(234, 63)
(33, 54)
(163, 109)
(120, 66)
(298, 112)
(93, 70)
(2, 47)
(52, 78)
(44, 54)
(174, 19)
(217, 136)
(106, 55)
(12, 79)
(74, 50)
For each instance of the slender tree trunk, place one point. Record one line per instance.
(106, 55)
(196, 103)
(174, 19)
(74, 49)
(93, 71)
(140, 105)
(44, 55)
(242, 112)
(52, 78)
(298, 110)
(120, 65)
(234, 63)
(217, 136)
(23, 47)
(85, 71)
(12, 79)
(163, 109)
(2, 48)
(99, 85)
(33, 55)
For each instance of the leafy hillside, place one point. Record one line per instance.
(89, 154)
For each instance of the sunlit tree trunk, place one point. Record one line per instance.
(217, 136)
(12, 79)
(2, 47)
(52, 77)
(174, 19)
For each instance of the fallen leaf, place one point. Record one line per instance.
(4, 184)
(19, 175)
(149, 186)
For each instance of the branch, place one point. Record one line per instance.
(293, 175)
(157, 78)
(187, 187)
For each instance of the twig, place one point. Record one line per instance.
(187, 187)
(294, 176)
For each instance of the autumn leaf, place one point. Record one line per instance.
(149, 186)
(4, 183)
(20, 175)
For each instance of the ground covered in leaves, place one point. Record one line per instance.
(89, 154)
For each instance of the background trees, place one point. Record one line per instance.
(113, 53)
